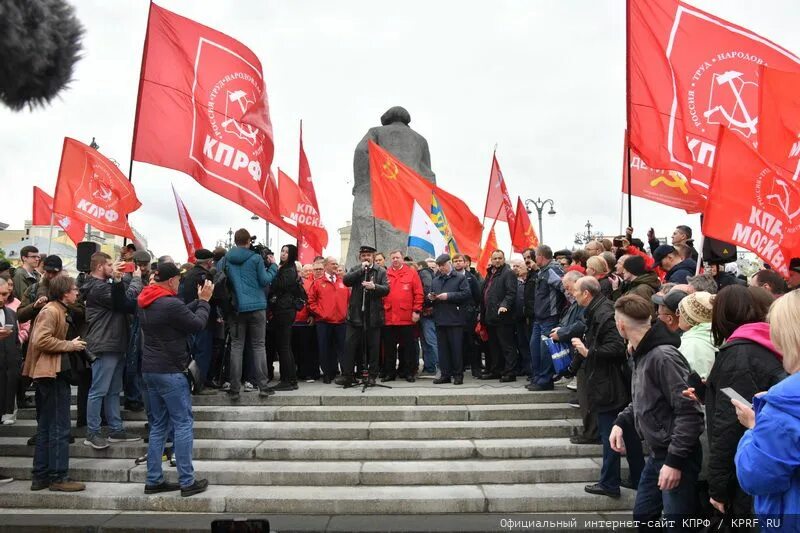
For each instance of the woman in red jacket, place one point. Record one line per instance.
(402, 308)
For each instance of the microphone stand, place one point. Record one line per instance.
(364, 354)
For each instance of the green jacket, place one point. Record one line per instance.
(697, 346)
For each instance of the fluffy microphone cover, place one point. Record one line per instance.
(40, 42)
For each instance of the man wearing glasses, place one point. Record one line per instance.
(26, 275)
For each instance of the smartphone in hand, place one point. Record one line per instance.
(733, 395)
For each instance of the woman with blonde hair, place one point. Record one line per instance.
(768, 455)
(597, 267)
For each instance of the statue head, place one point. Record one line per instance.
(396, 114)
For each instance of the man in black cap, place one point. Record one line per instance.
(668, 307)
(682, 236)
(449, 291)
(678, 269)
(132, 378)
(364, 316)
(794, 273)
(204, 339)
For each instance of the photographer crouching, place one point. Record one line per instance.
(167, 325)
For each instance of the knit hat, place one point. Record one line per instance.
(696, 308)
(635, 265)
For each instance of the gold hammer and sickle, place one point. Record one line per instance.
(390, 170)
(674, 182)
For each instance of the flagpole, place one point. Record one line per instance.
(52, 221)
(628, 107)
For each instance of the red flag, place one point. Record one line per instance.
(668, 187)
(524, 236)
(190, 237)
(92, 189)
(395, 187)
(486, 252)
(689, 73)
(752, 204)
(306, 253)
(203, 110)
(43, 216)
(497, 196)
(295, 206)
(779, 118)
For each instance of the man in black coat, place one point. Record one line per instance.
(364, 316)
(203, 340)
(497, 305)
(449, 292)
(604, 358)
(472, 354)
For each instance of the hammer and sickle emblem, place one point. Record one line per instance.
(673, 182)
(390, 170)
(749, 122)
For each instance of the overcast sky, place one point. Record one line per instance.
(544, 80)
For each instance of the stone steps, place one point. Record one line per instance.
(337, 473)
(392, 500)
(336, 450)
(388, 413)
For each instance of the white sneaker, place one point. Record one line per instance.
(248, 387)
(9, 420)
(226, 385)
(573, 385)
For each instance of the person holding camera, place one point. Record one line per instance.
(365, 316)
(46, 352)
(203, 340)
(286, 293)
(249, 276)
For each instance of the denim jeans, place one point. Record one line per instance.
(609, 473)
(132, 377)
(542, 370)
(106, 385)
(523, 337)
(430, 351)
(330, 339)
(250, 327)
(676, 503)
(170, 404)
(51, 456)
(202, 343)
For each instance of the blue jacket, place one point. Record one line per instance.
(249, 277)
(550, 300)
(448, 312)
(768, 456)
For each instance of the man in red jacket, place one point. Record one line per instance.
(402, 308)
(327, 301)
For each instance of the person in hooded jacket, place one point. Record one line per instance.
(638, 279)
(167, 324)
(747, 362)
(678, 269)
(768, 455)
(285, 292)
(670, 423)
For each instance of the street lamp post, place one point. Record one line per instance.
(266, 236)
(539, 205)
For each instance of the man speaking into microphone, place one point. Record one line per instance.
(364, 316)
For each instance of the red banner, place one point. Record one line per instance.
(486, 252)
(306, 252)
(497, 196)
(668, 187)
(203, 110)
(295, 206)
(779, 118)
(190, 237)
(395, 187)
(752, 204)
(92, 189)
(43, 216)
(689, 74)
(524, 236)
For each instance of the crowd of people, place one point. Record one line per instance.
(654, 347)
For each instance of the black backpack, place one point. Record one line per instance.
(224, 295)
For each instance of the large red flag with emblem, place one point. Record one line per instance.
(306, 252)
(190, 236)
(690, 73)
(486, 252)
(294, 205)
(668, 187)
(395, 187)
(93, 190)
(753, 204)
(524, 236)
(779, 118)
(498, 196)
(43, 216)
(203, 110)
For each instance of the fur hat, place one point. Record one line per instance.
(696, 308)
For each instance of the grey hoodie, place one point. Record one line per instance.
(106, 316)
